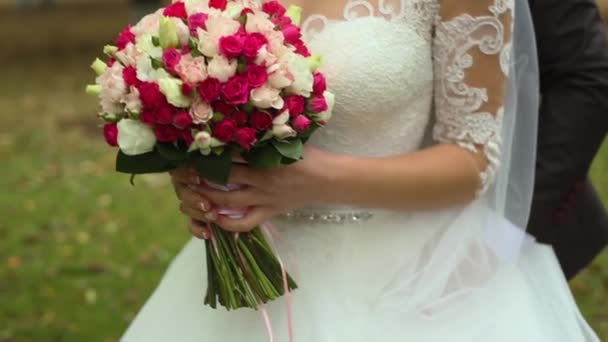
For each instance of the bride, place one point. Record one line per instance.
(404, 221)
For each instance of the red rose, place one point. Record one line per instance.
(245, 137)
(196, 21)
(301, 48)
(256, 75)
(209, 89)
(273, 8)
(219, 4)
(124, 38)
(295, 104)
(187, 89)
(150, 95)
(261, 121)
(182, 120)
(319, 85)
(164, 114)
(171, 58)
(292, 34)
(111, 62)
(318, 104)
(166, 133)
(231, 46)
(186, 136)
(223, 108)
(129, 74)
(240, 117)
(301, 123)
(110, 132)
(236, 90)
(253, 44)
(148, 117)
(176, 9)
(224, 130)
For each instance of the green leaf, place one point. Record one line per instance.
(171, 152)
(292, 149)
(263, 157)
(151, 162)
(156, 41)
(213, 167)
(156, 63)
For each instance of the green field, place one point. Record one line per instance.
(80, 249)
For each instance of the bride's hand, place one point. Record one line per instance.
(193, 204)
(268, 192)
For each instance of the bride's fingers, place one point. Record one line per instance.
(253, 219)
(185, 175)
(199, 229)
(234, 199)
(191, 197)
(196, 213)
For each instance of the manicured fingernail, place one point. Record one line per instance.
(211, 216)
(204, 206)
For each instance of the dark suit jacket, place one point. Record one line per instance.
(573, 121)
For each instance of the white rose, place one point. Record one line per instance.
(148, 24)
(280, 128)
(135, 137)
(276, 41)
(171, 87)
(267, 97)
(279, 76)
(132, 101)
(113, 88)
(219, 26)
(196, 6)
(207, 44)
(265, 57)
(304, 80)
(258, 22)
(221, 68)
(130, 55)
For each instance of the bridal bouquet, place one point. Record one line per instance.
(195, 84)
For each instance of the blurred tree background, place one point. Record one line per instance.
(80, 249)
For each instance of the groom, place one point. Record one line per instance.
(573, 121)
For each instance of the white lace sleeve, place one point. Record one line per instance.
(471, 49)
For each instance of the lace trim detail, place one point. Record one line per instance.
(419, 14)
(459, 118)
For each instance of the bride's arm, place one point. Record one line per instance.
(470, 36)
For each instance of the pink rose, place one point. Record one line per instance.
(231, 46)
(148, 24)
(186, 136)
(131, 100)
(209, 89)
(292, 34)
(187, 89)
(261, 121)
(256, 75)
(111, 62)
(110, 132)
(273, 8)
(201, 112)
(176, 9)
(125, 37)
(223, 108)
(245, 137)
(301, 48)
(191, 69)
(182, 120)
(219, 4)
(166, 133)
(129, 74)
(224, 130)
(171, 58)
(196, 21)
(150, 95)
(113, 88)
(319, 85)
(318, 104)
(130, 55)
(267, 97)
(295, 104)
(236, 90)
(240, 117)
(164, 114)
(301, 123)
(253, 44)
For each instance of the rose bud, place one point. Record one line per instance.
(301, 123)
(224, 130)
(176, 9)
(182, 120)
(261, 121)
(110, 132)
(245, 137)
(295, 104)
(318, 104)
(319, 85)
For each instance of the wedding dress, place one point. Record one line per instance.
(401, 72)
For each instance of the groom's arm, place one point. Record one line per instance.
(573, 121)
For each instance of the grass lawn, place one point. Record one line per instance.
(80, 249)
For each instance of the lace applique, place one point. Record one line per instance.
(419, 14)
(460, 117)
